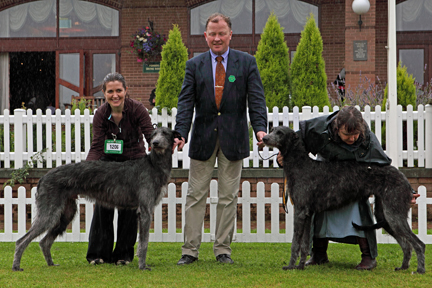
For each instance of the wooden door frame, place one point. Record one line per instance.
(89, 67)
(80, 89)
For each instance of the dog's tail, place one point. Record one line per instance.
(378, 225)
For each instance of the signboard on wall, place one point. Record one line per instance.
(360, 50)
(151, 67)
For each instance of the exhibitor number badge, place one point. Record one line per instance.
(113, 147)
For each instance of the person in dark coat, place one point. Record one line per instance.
(125, 120)
(340, 84)
(343, 136)
(220, 130)
(152, 98)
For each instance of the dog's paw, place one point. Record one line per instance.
(17, 269)
(145, 268)
(401, 268)
(288, 267)
(419, 271)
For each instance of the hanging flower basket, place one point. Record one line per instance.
(147, 44)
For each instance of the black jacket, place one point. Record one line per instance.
(319, 139)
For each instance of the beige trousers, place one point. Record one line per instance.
(200, 175)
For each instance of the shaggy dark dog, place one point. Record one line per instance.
(319, 186)
(137, 183)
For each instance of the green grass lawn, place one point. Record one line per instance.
(256, 265)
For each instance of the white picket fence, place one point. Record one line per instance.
(276, 234)
(27, 127)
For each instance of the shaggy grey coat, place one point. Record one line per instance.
(318, 186)
(137, 183)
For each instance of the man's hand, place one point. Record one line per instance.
(259, 136)
(179, 143)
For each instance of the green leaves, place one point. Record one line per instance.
(406, 88)
(172, 70)
(273, 64)
(309, 80)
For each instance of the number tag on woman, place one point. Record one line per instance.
(113, 146)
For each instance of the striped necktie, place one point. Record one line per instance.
(220, 80)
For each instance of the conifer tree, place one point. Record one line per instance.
(172, 70)
(406, 89)
(308, 77)
(273, 64)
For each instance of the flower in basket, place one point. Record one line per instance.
(147, 44)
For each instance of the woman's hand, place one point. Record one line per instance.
(280, 159)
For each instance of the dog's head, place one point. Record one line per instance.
(162, 139)
(281, 137)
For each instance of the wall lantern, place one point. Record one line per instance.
(360, 7)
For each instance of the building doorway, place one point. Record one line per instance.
(32, 80)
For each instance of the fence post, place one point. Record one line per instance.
(19, 141)
(428, 129)
(306, 113)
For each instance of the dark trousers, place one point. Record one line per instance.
(101, 236)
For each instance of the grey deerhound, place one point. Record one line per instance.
(137, 183)
(316, 186)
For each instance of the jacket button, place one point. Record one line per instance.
(215, 129)
(219, 113)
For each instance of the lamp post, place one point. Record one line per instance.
(360, 7)
(391, 106)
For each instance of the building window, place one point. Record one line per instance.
(77, 19)
(413, 59)
(86, 19)
(292, 14)
(414, 27)
(246, 14)
(35, 19)
(240, 13)
(102, 65)
(414, 15)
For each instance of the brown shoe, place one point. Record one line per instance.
(319, 252)
(367, 262)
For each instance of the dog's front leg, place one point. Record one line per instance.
(145, 219)
(299, 218)
(305, 242)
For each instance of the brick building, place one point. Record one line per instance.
(93, 38)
